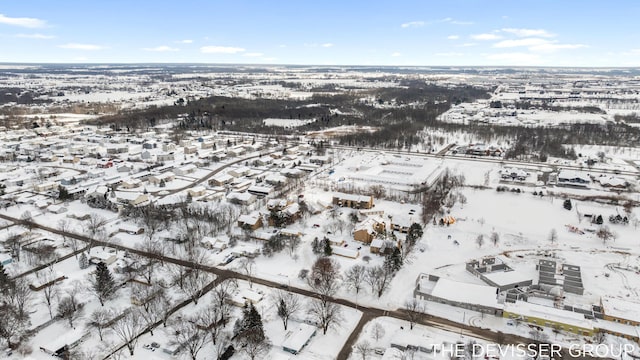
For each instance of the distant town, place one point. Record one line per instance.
(275, 212)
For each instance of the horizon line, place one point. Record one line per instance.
(320, 65)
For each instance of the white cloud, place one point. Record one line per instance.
(186, 41)
(537, 45)
(396, 54)
(468, 44)
(327, 45)
(270, 59)
(449, 54)
(485, 37)
(221, 50)
(75, 46)
(456, 22)
(528, 32)
(550, 47)
(22, 21)
(413, 24)
(253, 54)
(161, 48)
(35, 36)
(453, 37)
(520, 42)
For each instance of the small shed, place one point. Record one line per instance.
(298, 337)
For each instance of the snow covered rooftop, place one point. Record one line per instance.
(298, 336)
(622, 309)
(548, 313)
(503, 278)
(466, 293)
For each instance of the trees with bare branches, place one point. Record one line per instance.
(414, 309)
(189, 335)
(326, 314)
(99, 319)
(287, 304)
(127, 329)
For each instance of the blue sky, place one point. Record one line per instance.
(452, 32)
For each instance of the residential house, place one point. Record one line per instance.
(251, 221)
(366, 231)
(353, 201)
(165, 177)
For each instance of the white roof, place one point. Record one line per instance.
(507, 277)
(549, 313)
(622, 309)
(570, 174)
(618, 327)
(352, 197)
(244, 196)
(612, 181)
(298, 336)
(339, 250)
(466, 293)
(377, 243)
(249, 219)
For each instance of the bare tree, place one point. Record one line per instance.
(154, 306)
(605, 234)
(187, 334)
(64, 226)
(127, 329)
(12, 325)
(379, 278)
(73, 291)
(377, 331)
(221, 296)
(324, 277)
(247, 265)
(355, 277)
(287, 304)
(495, 238)
(210, 319)
(223, 341)
(95, 226)
(364, 349)
(99, 320)
(553, 236)
(292, 244)
(256, 349)
(326, 314)
(414, 309)
(47, 278)
(194, 284)
(68, 310)
(19, 297)
(14, 244)
(480, 240)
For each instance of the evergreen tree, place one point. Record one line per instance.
(393, 261)
(83, 262)
(104, 285)
(317, 246)
(327, 247)
(415, 232)
(5, 281)
(567, 204)
(599, 220)
(249, 328)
